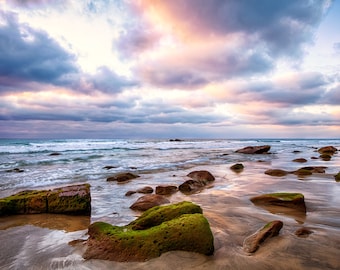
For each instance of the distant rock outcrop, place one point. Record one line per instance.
(75, 200)
(161, 229)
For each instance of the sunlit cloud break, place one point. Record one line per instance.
(180, 68)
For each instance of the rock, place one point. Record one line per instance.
(326, 157)
(122, 177)
(130, 192)
(254, 149)
(159, 214)
(75, 200)
(166, 190)
(271, 229)
(145, 190)
(204, 176)
(291, 200)
(238, 167)
(175, 140)
(310, 170)
(55, 154)
(337, 177)
(303, 232)
(199, 180)
(276, 172)
(300, 160)
(109, 167)
(174, 229)
(17, 170)
(148, 201)
(330, 150)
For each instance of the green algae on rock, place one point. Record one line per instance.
(169, 228)
(75, 200)
(284, 199)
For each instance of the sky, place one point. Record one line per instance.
(169, 69)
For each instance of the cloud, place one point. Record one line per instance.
(31, 55)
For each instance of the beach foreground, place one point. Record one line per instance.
(56, 241)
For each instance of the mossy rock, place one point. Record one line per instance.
(186, 232)
(284, 199)
(66, 200)
(160, 214)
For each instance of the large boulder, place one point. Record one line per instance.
(75, 200)
(290, 200)
(199, 179)
(262, 149)
(271, 229)
(172, 227)
(148, 201)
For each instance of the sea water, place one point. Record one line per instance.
(44, 164)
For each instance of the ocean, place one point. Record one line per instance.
(45, 164)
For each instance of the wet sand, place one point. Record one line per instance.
(42, 242)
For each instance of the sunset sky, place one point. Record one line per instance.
(169, 69)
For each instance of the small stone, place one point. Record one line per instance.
(276, 172)
(238, 167)
(300, 160)
(303, 232)
(122, 177)
(166, 190)
(145, 190)
(271, 229)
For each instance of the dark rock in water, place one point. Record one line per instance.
(74, 200)
(148, 201)
(296, 151)
(199, 180)
(166, 190)
(300, 160)
(254, 149)
(160, 229)
(337, 177)
(290, 200)
(122, 177)
(109, 167)
(326, 157)
(55, 154)
(145, 190)
(276, 172)
(129, 193)
(17, 170)
(303, 232)
(271, 229)
(310, 170)
(238, 167)
(175, 140)
(330, 150)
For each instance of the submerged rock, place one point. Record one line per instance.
(75, 200)
(271, 229)
(337, 177)
(238, 167)
(122, 177)
(310, 170)
(159, 230)
(148, 201)
(300, 160)
(303, 232)
(276, 172)
(291, 200)
(254, 149)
